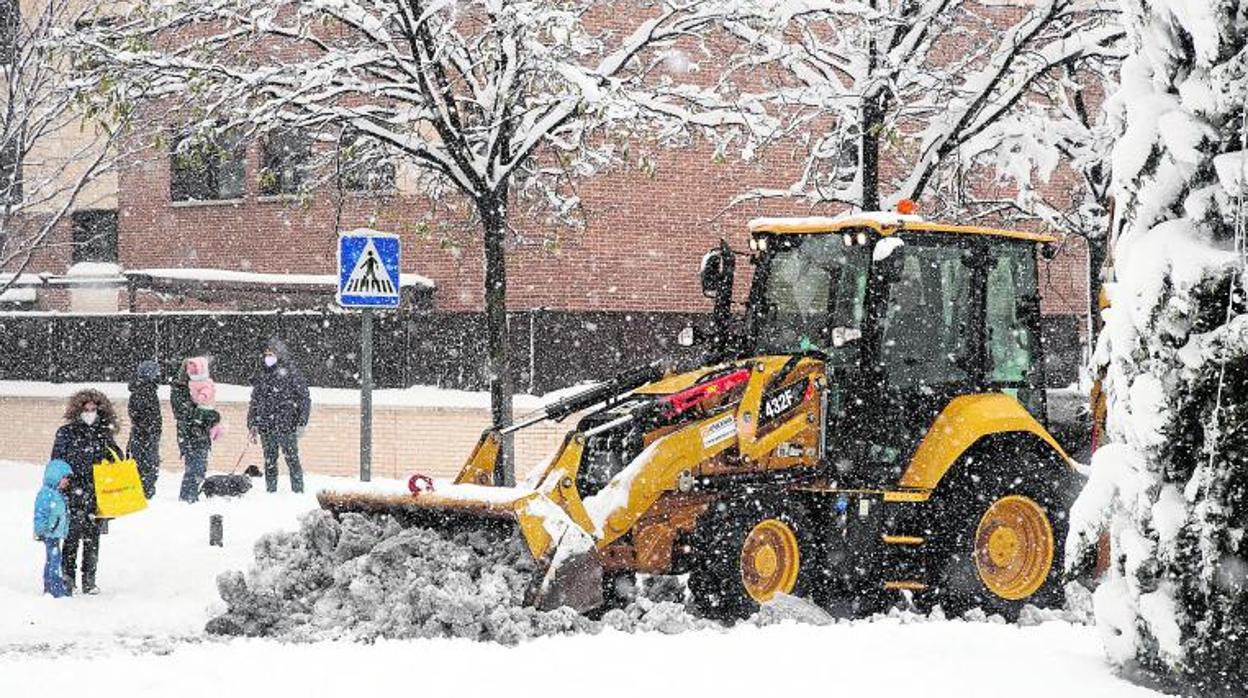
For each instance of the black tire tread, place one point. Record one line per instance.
(715, 577)
(987, 472)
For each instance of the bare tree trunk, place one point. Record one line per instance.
(872, 115)
(1098, 250)
(870, 156)
(493, 209)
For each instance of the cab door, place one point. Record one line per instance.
(925, 347)
(1013, 353)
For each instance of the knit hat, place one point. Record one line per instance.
(278, 348)
(197, 368)
(148, 370)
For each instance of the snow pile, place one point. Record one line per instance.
(365, 577)
(784, 608)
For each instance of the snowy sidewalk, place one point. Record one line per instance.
(157, 573)
(142, 636)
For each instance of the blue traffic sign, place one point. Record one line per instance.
(368, 269)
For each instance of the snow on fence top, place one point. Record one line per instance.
(415, 396)
(19, 295)
(93, 270)
(96, 271)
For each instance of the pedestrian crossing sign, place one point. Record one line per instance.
(368, 269)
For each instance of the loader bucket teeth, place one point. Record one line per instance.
(576, 583)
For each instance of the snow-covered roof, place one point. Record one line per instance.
(261, 278)
(22, 294)
(874, 219)
(94, 270)
(882, 222)
(26, 279)
(808, 224)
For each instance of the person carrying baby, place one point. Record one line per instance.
(193, 398)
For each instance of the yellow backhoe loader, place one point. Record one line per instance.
(873, 423)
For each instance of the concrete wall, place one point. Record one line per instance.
(434, 441)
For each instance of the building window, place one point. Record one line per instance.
(284, 159)
(95, 236)
(11, 167)
(365, 165)
(208, 169)
(10, 18)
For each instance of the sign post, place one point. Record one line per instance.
(366, 395)
(368, 278)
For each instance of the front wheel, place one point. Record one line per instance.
(747, 552)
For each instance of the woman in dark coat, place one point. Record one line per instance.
(86, 438)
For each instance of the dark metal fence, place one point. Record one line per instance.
(549, 349)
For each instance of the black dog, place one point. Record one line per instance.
(226, 485)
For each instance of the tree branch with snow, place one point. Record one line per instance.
(479, 98)
(59, 126)
(928, 83)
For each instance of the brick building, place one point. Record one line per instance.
(643, 237)
(644, 231)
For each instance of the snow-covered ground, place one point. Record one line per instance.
(142, 634)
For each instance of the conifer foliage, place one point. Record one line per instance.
(1171, 487)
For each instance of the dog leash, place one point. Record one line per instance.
(239, 462)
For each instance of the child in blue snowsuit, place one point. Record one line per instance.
(52, 524)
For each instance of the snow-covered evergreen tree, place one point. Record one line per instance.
(1172, 486)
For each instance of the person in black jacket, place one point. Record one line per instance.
(85, 439)
(145, 424)
(278, 413)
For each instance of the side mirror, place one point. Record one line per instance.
(717, 270)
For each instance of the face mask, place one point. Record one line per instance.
(270, 360)
(88, 418)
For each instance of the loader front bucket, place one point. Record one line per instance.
(574, 580)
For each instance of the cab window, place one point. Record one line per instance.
(1012, 303)
(925, 326)
(812, 297)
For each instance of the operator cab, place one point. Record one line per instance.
(908, 316)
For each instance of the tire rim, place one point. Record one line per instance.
(769, 560)
(1014, 547)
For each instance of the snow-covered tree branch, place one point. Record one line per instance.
(1172, 486)
(928, 83)
(59, 121)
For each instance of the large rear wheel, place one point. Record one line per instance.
(999, 529)
(745, 553)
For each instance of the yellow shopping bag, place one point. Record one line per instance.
(118, 489)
